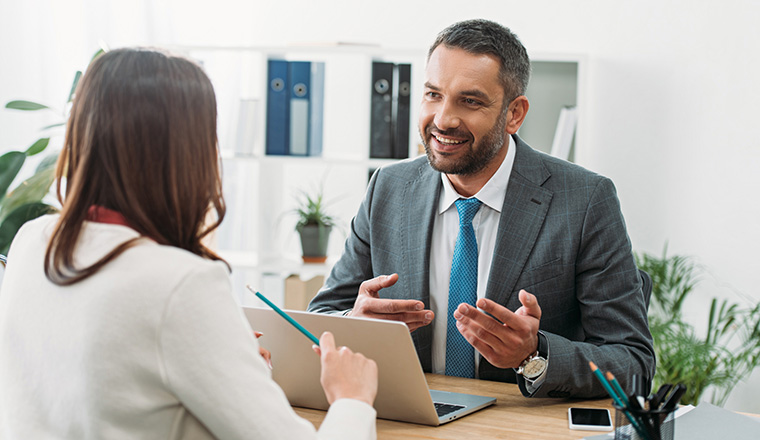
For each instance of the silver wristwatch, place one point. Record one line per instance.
(532, 367)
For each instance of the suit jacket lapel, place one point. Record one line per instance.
(522, 216)
(421, 204)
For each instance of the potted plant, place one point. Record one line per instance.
(729, 349)
(314, 226)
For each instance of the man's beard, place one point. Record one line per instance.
(476, 158)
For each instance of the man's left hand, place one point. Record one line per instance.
(507, 343)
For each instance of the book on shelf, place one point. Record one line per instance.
(295, 104)
(565, 132)
(389, 110)
(247, 127)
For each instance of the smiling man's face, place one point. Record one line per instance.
(463, 118)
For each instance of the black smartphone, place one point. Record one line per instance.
(589, 419)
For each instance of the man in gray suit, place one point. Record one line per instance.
(557, 285)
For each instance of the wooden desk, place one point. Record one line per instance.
(512, 416)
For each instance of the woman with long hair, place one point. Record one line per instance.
(116, 320)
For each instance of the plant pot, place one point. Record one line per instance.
(314, 239)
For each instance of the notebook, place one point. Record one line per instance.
(403, 392)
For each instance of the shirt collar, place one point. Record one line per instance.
(493, 192)
(101, 214)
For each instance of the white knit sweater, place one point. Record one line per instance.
(153, 346)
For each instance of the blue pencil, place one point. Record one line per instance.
(616, 386)
(285, 315)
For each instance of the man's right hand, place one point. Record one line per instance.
(369, 304)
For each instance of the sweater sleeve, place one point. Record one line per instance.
(209, 358)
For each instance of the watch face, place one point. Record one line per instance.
(534, 368)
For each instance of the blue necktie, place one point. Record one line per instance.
(463, 288)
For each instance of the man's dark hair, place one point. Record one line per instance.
(487, 37)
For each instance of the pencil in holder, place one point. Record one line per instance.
(635, 424)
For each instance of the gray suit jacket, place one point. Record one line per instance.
(561, 237)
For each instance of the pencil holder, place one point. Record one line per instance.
(633, 424)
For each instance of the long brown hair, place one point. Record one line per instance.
(141, 140)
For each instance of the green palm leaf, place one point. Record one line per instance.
(31, 190)
(25, 105)
(37, 147)
(17, 218)
(10, 164)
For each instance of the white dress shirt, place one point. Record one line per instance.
(445, 231)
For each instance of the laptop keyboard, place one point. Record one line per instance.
(446, 408)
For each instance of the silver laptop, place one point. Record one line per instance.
(402, 394)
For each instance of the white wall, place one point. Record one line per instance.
(673, 94)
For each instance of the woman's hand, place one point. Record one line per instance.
(345, 374)
(263, 351)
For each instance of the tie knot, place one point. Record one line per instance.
(467, 208)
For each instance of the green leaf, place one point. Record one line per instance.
(10, 164)
(17, 218)
(729, 349)
(77, 77)
(32, 190)
(25, 105)
(37, 147)
(100, 52)
(59, 124)
(311, 210)
(47, 162)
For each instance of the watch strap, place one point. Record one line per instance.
(543, 345)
